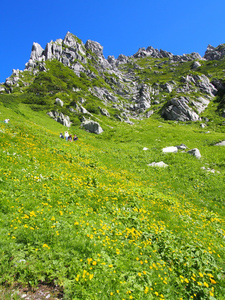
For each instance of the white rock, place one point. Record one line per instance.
(145, 148)
(195, 152)
(220, 144)
(59, 102)
(160, 164)
(171, 149)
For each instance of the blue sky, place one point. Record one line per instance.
(121, 27)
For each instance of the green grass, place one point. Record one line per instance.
(94, 219)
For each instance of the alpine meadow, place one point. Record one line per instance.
(132, 209)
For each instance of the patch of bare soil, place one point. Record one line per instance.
(40, 292)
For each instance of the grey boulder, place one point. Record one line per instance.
(195, 152)
(92, 126)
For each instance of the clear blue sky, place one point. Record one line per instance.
(120, 26)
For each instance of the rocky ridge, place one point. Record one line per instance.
(132, 87)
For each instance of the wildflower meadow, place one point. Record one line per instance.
(92, 219)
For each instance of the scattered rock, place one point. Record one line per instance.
(171, 149)
(195, 65)
(59, 102)
(167, 87)
(220, 143)
(104, 112)
(195, 152)
(149, 113)
(182, 147)
(210, 170)
(160, 164)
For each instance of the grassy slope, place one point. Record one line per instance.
(93, 218)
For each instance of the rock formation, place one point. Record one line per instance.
(92, 126)
(125, 85)
(178, 109)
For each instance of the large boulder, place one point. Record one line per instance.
(92, 126)
(178, 109)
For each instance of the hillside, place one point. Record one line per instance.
(92, 219)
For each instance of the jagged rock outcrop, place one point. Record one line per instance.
(97, 49)
(200, 104)
(150, 51)
(66, 51)
(104, 112)
(215, 53)
(178, 109)
(125, 84)
(59, 117)
(79, 109)
(186, 57)
(167, 87)
(201, 82)
(103, 94)
(155, 53)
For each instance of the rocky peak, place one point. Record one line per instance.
(36, 52)
(53, 49)
(215, 53)
(94, 47)
(155, 53)
(70, 40)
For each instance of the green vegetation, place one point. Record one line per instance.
(94, 220)
(90, 219)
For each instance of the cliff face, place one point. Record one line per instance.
(179, 87)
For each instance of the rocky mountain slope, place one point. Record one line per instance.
(74, 81)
